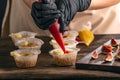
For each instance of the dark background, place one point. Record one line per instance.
(2, 11)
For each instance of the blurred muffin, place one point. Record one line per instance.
(67, 43)
(25, 58)
(64, 59)
(70, 35)
(29, 43)
(22, 35)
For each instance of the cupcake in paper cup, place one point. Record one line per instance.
(64, 59)
(70, 35)
(22, 35)
(29, 43)
(68, 43)
(25, 58)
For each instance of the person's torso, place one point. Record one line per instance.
(104, 21)
(21, 20)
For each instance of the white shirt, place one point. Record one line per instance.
(104, 21)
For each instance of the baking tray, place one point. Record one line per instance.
(99, 64)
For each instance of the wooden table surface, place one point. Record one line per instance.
(45, 68)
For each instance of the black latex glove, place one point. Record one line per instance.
(44, 13)
(68, 10)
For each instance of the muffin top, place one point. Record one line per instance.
(16, 35)
(28, 44)
(21, 54)
(60, 52)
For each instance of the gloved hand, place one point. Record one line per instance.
(68, 10)
(44, 13)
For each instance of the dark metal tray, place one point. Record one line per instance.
(99, 64)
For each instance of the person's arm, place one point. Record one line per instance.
(29, 2)
(95, 4)
(99, 4)
(66, 8)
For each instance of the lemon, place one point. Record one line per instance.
(87, 36)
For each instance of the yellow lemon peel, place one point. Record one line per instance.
(87, 36)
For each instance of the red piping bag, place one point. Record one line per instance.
(54, 29)
(39, 0)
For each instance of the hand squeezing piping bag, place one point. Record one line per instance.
(54, 29)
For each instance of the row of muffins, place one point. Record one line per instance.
(69, 57)
(29, 48)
